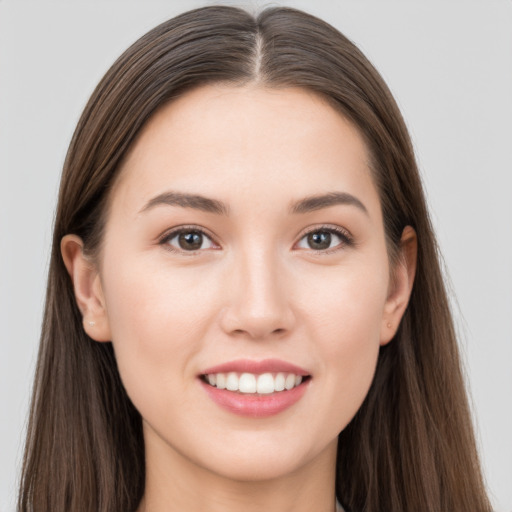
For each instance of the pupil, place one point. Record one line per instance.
(190, 241)
(319, 240)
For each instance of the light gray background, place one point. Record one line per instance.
(449, 64)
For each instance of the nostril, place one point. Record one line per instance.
(240, 319)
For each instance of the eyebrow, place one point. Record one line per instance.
(318, 202)
(184, 200)
(206, 204)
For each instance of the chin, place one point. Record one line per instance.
(256, 469)
(270, 459)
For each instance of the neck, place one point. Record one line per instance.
(174, 482)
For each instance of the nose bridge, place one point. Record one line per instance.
(260, 302)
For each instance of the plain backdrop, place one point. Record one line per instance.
(449, 64)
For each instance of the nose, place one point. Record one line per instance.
(259, 298)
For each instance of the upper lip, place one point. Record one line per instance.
(257, 367)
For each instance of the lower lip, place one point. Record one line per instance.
(255, 406)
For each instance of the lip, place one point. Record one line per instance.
(257, 367)
(255, 405)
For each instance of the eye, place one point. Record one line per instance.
(325, 239)
(188, 240)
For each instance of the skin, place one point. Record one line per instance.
(255, 290)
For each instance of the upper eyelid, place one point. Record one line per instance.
(326, 227)
(171, 233)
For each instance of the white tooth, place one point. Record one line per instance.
(212, 379)
(221, 380)
(279, 382)
(290, 381)
(247, 383)
(265, 383)
(232, 382)
(298, 380)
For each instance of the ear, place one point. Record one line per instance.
(87, 286)
(401, 285)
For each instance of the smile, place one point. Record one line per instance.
(255, 389)
(250, 383)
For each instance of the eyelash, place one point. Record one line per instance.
(164, 241)
(345, 237)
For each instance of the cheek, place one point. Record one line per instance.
(346, 302)
(345, 320)
(158, 320)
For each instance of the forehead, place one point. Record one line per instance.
(236, 142)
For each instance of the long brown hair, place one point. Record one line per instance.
(411, 445)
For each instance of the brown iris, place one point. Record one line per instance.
(190, 240)
(319, 240)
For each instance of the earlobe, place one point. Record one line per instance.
(401, 288)
(87, 287)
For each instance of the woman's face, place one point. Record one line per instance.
(245, 237)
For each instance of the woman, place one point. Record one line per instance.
(245, 308)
